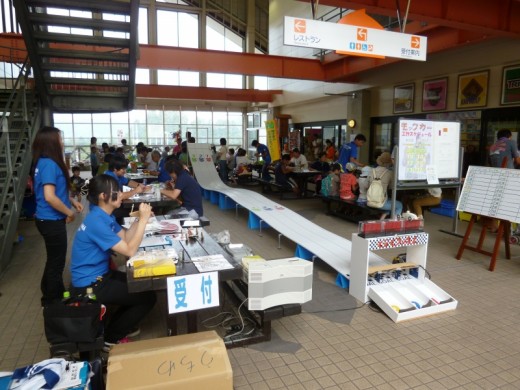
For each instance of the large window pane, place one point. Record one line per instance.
(101, 118)
(143, 26)
(220, 118)
(82, 118)
(84, 130)
(204, 117)
(189, 27)
(172, 117)
(154, 117)
(188, 117)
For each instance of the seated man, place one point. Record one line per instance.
(299, 161)
(96, 238)
(282, 172)
(184, 186)
(153, 166)
(117, 169)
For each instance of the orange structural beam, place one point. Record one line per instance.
(199, 60)
(202, 93)
(12, 48)
(493, 17)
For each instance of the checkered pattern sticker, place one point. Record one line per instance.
(398, 241)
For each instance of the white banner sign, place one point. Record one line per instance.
(192, 292)
(353, 40)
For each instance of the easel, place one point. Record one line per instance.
(504, 230)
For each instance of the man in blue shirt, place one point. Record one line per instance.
(117, 169)
(263, 151)
(185, 186)
(349, 152)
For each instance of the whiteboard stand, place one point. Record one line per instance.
(504, 231)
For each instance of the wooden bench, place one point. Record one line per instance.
(273, 186)
(350, 209)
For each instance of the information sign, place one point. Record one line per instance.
(353, 40)
(192, 292)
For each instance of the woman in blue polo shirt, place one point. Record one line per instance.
(185, 186)
(53, 208)
(96, 238)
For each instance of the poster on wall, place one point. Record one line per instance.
(404, 98)
(510, 85)
(434, 94)
(472, 90)
(294, 139)
(428, 147)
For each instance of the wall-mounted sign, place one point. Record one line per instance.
(353, 40)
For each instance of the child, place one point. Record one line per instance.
(94, 160)
(335, 171)
(348, 183)
(363, 184)
(76, 182)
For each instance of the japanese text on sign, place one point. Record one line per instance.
(192, 292)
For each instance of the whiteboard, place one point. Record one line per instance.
(492, 192)
(426, 144)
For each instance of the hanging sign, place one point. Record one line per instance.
(354, 40)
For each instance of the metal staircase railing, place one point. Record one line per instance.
(21, 117)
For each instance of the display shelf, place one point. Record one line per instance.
(400, 290)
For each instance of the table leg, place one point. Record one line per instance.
(192, 321)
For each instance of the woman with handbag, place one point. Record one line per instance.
(53, 208)
(93, 244)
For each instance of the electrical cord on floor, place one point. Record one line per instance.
(336, 310)
(229, 317)
(242, 324)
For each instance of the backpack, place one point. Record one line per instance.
(376, 195)
(326, 186)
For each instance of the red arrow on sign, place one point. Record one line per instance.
(300, 26)
(416, 42)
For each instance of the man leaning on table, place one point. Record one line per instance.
(184, 187)
(117, 169)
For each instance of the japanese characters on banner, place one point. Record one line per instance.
(192, 292)
(428, 149)
(353, 39)
(273, 140)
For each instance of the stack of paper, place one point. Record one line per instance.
(211, 263)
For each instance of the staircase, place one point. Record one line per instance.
(83, 52)
(20, 120)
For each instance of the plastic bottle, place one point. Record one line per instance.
(66, 297)
(90, 294)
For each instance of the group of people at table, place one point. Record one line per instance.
(99, 234)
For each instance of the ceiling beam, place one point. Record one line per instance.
(201, 93)
(499, 18)
(199, 60)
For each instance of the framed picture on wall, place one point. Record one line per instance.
(472, 90)
(435, 94)
(404, 98)
(510, 85)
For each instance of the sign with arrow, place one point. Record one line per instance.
(353, 40)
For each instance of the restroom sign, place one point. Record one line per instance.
(353, 40)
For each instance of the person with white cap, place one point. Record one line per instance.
(363, 184)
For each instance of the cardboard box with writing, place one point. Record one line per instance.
(191, 361)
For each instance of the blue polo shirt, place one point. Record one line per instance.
(48, 172)
(91, 247)
(123, 181)
(164, 176)
(190, 192)
(347, 151)
(264, 152)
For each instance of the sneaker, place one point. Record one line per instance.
(134, 332)
(108, 346)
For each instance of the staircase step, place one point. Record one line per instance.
(116, 7)
(45, 20)
(81, 39)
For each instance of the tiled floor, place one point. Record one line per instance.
(331, 345)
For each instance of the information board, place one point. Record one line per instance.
(427, 146)
(491, 192)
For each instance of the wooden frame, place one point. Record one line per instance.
(404, 98)
(472, 89)
(435, 94)
(510, 85)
